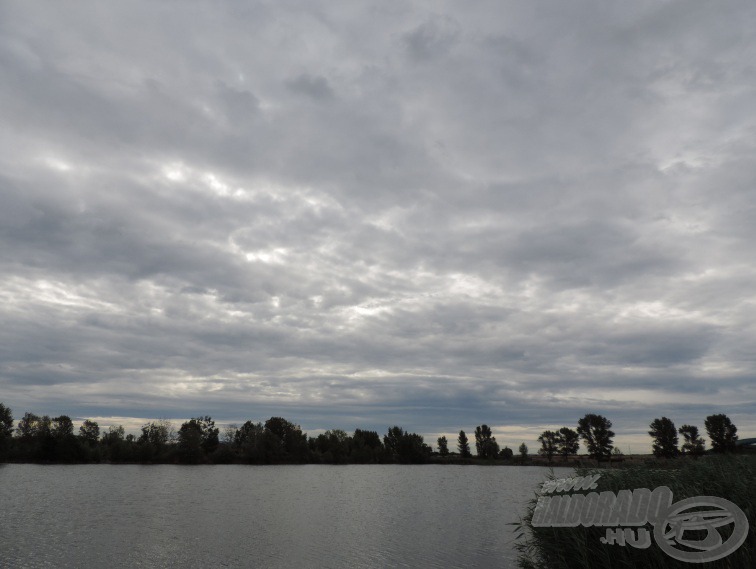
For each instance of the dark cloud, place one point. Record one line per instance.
(432, 38)
(315, 87)
(379, 214)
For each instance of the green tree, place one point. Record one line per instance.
(407, 448)
(62, 445)
(6, 421)
(665, 438)
(722, 433)
(463, 445)
(62, 427)
(284, 441)
(392, 438)
(158, 433)
(485, 444)
(506, 453)
(197, 437)
(115, 446)
(209, 433)
(190, 442)
(549, 444)
(89, 433)
(115, 433)
(523, 452)
(32, 426)
(413, 450)
(443, 446)
(568, 442)
(6, 431)
(248, 440)
(693, 443)
(154, 440)
(367, 447)
(333, 446)
(35, 438)
(597, 435)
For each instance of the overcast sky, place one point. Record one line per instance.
(361, 214)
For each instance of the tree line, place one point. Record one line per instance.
(37, 438)
(595, 430)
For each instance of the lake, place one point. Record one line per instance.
(309, 516)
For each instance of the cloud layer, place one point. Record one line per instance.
(362, 215)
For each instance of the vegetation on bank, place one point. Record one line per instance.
(278, 441)
(725, 476)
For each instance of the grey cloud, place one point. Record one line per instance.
(380, 215)
(433, 37)
(240, 105)
(316, 87)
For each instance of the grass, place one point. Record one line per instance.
(729, 477)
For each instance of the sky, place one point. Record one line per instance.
(361, 214)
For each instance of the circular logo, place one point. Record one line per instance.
(700, 548)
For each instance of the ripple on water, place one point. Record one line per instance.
(360, 516)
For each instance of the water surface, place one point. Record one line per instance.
(307, 516)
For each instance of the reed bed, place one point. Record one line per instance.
(729, 477)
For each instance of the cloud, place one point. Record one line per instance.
(433, 37)
(315, 87)
(379, 214)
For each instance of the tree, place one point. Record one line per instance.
(485, 444)
(6, 431)
(6, 422)
(153, 441)
(568, 442)
(463, 445)
(196, 437)
(391, 439)
(413, 450)
(443, 446)
(61, 445)
(209, 433)
(62, 427)
(523, 452)
(247, 433)
(248, 440)
(333, 445)
(283, 441)
(367, 447)
(722, 433)
(157, 433)
(115, 434)
(32, 426)
(597, 435)
(407, 448)
(89, 432)
(694, 444)
(549, 444)
(116, 446)
(190, 442)
(35, 439)
(665, 438)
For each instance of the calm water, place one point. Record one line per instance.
(261, 516)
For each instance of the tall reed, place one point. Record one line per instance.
(729, 477)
